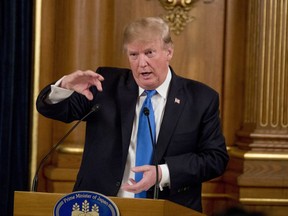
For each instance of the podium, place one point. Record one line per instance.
(38, 203)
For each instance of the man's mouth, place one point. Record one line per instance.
(145, 74)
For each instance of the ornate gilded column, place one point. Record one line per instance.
(261, 153)
(265, 123)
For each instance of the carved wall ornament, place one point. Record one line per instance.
(178, 13)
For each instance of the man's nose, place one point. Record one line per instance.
(142, 61)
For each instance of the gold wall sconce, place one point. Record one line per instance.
(178, 13)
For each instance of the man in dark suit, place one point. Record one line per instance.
(190, 147)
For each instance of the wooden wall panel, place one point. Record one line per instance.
(83, 36)
(44, 135)
(234, 67)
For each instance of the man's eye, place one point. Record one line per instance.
(133, 55)
(150, 53)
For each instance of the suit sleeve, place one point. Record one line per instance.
(68, 110)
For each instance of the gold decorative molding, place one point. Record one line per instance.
(233, 151)
(219, 196)
(264, 201)
(238, 153)
(36, 78)
(178, 13)
(70, 149)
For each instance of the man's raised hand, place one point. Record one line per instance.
(81, 81)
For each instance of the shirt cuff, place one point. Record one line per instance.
(57, 93)
(165, 180)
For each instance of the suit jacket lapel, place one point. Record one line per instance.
(127, 97)
(174, 106)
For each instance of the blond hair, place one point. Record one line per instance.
(146, 29)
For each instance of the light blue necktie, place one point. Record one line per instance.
(144, 147)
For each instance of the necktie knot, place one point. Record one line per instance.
(150, 93)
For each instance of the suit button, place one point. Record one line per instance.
(118, 184)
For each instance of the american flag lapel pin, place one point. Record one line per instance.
(177, 100)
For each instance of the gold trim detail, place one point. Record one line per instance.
(234, 151)
(261, 201)
(37, 42)
(219, 196)
(264, 201)
(70, 149)
(178, 16)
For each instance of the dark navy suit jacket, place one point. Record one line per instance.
(190, 140)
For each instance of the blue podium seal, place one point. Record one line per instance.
(85, 203)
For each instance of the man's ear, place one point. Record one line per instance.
(170, 52)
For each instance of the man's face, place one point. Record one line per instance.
(149, 62)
